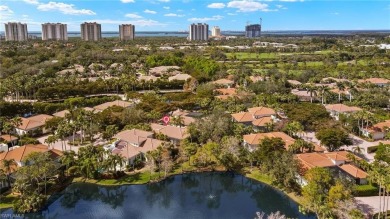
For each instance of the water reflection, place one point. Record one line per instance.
(200, 195)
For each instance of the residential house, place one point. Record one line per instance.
(332, 160)
(252, 141)
(133, 143)
(10, 140)
(224, 83)
(188, 117)
(33, 125)
(380, 82)
(336, 109)
(63, 113)
(180, 77)
(225, 93)
(255, 79)
(377, 131)
(354, 174)
(174, 133)
(19, 153)
(164, 70)
(303, 95)
(121, 103)
(294, 83)
(258, 117)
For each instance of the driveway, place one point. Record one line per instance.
(369, 205)
(356, 142)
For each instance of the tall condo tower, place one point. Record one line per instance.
(15, 31)
(91, 31)
(199, 32)
(216, 31)
(126, 32)
(253, 30)
(54, 31)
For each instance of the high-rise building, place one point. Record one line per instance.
(253, 30)
(91, 31)
(199, 32)
(54, 31)
(215, 31)
(15, 31)
(126, 32)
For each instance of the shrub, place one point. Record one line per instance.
(372, 149)
(365, 190)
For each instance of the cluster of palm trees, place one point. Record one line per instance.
(324, 91)
(380, 174)
(77, 121)
(91, 161)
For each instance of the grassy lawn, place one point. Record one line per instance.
(6, 201)
(252, 56)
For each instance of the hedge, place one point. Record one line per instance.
(365, 190)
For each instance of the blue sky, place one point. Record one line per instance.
(176, 15)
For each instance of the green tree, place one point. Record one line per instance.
(9, 166)
(333, 138)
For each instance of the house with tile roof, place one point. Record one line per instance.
(10, 140)
(354, 173)
(224, 83)
(19, 153)
(380, 82)
(377, 131)
(133, 143)
(174, 133)
(338, 161)
(33, 125)
(336, 109)
(252, 141)
(258, 117)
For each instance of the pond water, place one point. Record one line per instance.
(192, 196)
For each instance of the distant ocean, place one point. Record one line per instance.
(109, 34)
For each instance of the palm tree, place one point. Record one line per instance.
(8, 128)
(312, 90)
(9, 166)
(68, 158)
(324, 92)
(51, 139)
(16, 122)
(340, 87)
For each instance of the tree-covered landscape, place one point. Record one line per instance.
(246, 108)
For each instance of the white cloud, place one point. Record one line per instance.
(204, 19)
(32, 2)
(164, 0)
(231, 14)
(64, 8)
(140, 22)
(216, 5)
(291, 0)
(135, 16)
(150, 11)
(166, 7)
(247, 6)
(173, 15)
(335, 13)
(5, 9)
(127, 1)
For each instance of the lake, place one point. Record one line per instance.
(187, 196)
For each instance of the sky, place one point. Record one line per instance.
(176, 15)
